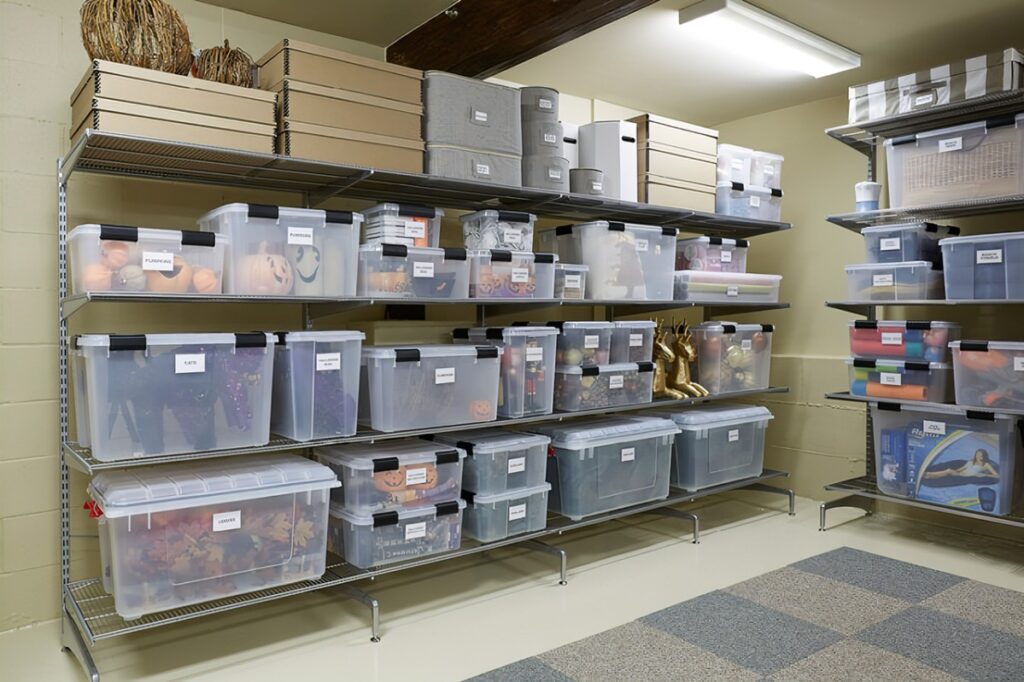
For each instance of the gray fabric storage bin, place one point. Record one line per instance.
(546, 172)
(586, 181)
(473, 164)
(539, 104)
(542, 138)
(466, 112)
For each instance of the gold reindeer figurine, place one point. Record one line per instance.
(685, 352)
(664, 358)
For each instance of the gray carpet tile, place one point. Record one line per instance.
(639, 652)
(526, 670)
(853, 661)
(886, 576)
(831, 604)
(744, 632)
(983, 604)
(952, 644)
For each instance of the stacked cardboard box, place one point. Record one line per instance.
(134, 101)
(344, 108)
(675, 163)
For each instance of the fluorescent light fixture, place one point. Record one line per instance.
(763, 36)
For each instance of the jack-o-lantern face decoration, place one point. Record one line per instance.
(481, 410)
(306, 261)
(389, 481)
(265, 273)
(177, 280)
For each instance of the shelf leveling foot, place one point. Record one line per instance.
(688, 516)
(761, 487)
(852, 501)
(563, 567)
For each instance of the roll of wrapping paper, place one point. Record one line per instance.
(873, 389)
(874, 348)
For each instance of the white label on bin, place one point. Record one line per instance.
(414, 531)
(628, 454)
(550, 138)
(768, 171)
(520, 275)
(516, 511)
(891, 379)
(415, 229)
(231, 520)
(482, 169)
(755, 201)
(328, 362)
(921, 100)
(988, 256)
(889, 244)
(444, 375)
(511, 234)
(591, 341)
(642, 245)
(934, 428)
(1018, 363)
(190, 363)
(882, 280)
(422, 269)
(534, 353)
(732, 290)
(544, 103)
(636, 340)
(554, 173)
(616, 381)
(573, 281)
(416, 476)
(596, 186)
(300, 236)
(734, 435)
(156, 260)
(726, 256)
(479, 116)
(892, 338)
(746, 344)
(516, 465)
(951, 144)
(737, 164)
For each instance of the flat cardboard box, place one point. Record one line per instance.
(337, 145)
(177, 126)
(672, 162)
(336, 69)
(660, 191)
(667, 131)
(307, 103)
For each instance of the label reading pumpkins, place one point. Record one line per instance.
(300, 236)
(328, 362)
(156, 260)
(883, 280)
(190, 363)
(423, 269)
(891, 379)
(642, 245)
(628, 454)
(1018, 363)
(892, 338)
(726, 256)
(520, 275)
(415, 229)
(734, 435)
(616, 381)
(934, 428)
(951, 144)
(746, 344)
(636, 340)
(415, 530)
(591, 341)
(231, 520)
(988, 256)
(550, 138)
(516, 465)
(732, 290)
(572, 281)
(755, 202)
(516, 511)
(444, 375)
(534, 353)
(889, 244)
(415, 476)
(511, 235)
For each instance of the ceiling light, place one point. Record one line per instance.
(760, 35)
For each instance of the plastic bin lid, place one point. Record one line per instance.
(719, 241)
(504, 216)
(365, 457)
(769, 155)
(582, 325)
(734, 148)
(192, 484)
(414, 353)
(988, 345)
(905, 265)
(635, 324)
(409, 251)
(737, 278)
(898, 364)
(983, 238)
(600, 369)
(514, 494)
(94, 230)
(492, 440)
(487, 254)
(134, 342)
(719, 326)
(582, 434)
(572, 266)
(722, 414)
(429, 511)
(903, 324)
(947, 411)
(410, 210)
(744, 189)
(322, 336)
(904, 227)
(503, 333)
(604, 224)
(283, 212)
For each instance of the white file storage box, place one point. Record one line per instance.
(910, 281)
(427, 386)
(368, 540)
(705, 286)
(182, 534)
(491, 229)
(718, 444)
(901, 379)
(733, 357)
(499, 461)
(161, 394)
(570, 281)
(126, 259)
(611, 147)
(748, 201)
(712, 254)
(571, 144)
(989, 266)
(593, 387)
(511, 274)
(406, 224)
(908, 242)
(989, 374)
(394, 475)
(527, 366)
(626, 261)
(584, 343)
(489, 518)
(465, 163)
(608, 463)
(316, 384)
(633, 341)
(399, 271)
(467, 112)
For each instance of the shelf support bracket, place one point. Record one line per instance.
(763, 488)
(674, 513)
(320, 196)
(563, 563)
(852, 501)
(367, 600)
(72, 642)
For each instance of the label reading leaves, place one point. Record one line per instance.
(550, 138)
(516, 465)
(231, 520)
(636, 340)
(891, 379)
(892, 338)
(1018, 363)
(415, 530)
(746, 344)
(520, 275)
(616, 381)
(415, 229)
(415, 476)
(517, 511)
(444, 375)
(734, 435)
(934, 428)
(628, 454)
(300, 236)
(572, 281)
(483, 169)
(328, 362)
(755, 202)
(534, 353)
(642, 245)
(190, 363)
(726, 256)
(889, 244)
(883, 280)
(951, 144)
(988, 256)
(156, 260)
(423, 269)
(732, 290)
(591, 341)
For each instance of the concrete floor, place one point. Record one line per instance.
(455, 620)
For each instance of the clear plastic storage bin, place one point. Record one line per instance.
(712, 254)
(608, 463)
(734, 163)
(489, 518)
(511, 274)
(570, 281)
(593, 387)
(947, 455)
(490, 229)
(989, 266)
(427, 386)
(124, 259)
(527, 366)
(733, 357)
(368, 540)
(766, 170)
(726, 287)
(394, 475)
(498, 461)
(406, 224)
(626, 261)
(910, 242)
(902, 339)
(278, 251)
(901, 379)
(989, 374)
(911, 281)
(748, 201)
(182, 534)
(633, 341)
(718, 444)
(583, 343)
(399, 271)
(973, 161)
(161, 394)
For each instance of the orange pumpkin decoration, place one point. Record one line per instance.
(177, 280)
(205, 281)
(96, 277)
(265, 273)
(390, 481)
(481, 410)
(114, 254)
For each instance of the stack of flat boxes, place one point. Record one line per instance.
(343, 108)
(675, 163)
(544, 164)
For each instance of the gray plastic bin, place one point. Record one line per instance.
(467, 112)
(499, 461)
(489, 518)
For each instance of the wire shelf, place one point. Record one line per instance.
(955, 209)
(848, 397)
(867, 307)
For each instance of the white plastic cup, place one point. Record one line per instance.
(867, 195)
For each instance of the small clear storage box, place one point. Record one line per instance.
(989, 266)
(901, 380)
(726, 287)
(511, 274)
(584, 342)
(399, 271)
(406, 224)
(712, 254)
(748, 201)
(989, 374)
(186, 533)
(498, 461)
(733, 357)
(368, 540)
(592, 387)
(910, 281)
(902, 339)
(489, 518)
(766, 170)
(625, 261)
(633, 341)
(570, 281)
(491, 229)
(909, 242)
(734, 163)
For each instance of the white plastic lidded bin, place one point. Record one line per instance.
(901, 379)
(705, 286)
(570, 281)
(367, 540)
(718, 444)
(988, 266)
(316, 384)
(511, 274)
(125, 259)
(491, 229)
(748, 201)
(626, 261)
(989, 374)
(608, 463)
(182, 534)
(910, 281)
(143, 395)
(592, 387)
(489, 518)
(498, 461)
(906, 242)
(394, 475)
(734, 163)
(766, 170)
(399, 271)
(712, 254)
(733, 357)
(407, 224)
(585, 342)
(633, 341)
(427, 386)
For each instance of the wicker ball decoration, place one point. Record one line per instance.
(231, 65)
(146, 33)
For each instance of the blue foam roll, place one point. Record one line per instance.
(859, 387)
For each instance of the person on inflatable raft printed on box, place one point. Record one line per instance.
(980, 465)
